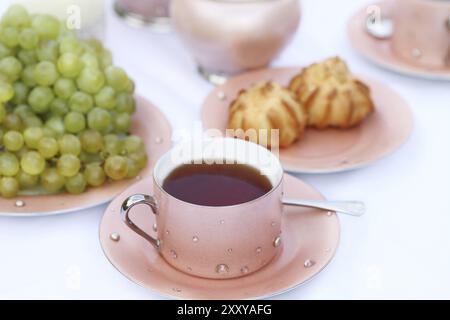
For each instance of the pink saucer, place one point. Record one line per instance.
(148, 122)
(328, 150)
(310, 239)
(379, 51)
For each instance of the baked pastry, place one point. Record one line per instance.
(332, 97)
(268, 105)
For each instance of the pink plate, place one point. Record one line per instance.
(379, 51)
(331, 150)
(310, 240)
(148, 123)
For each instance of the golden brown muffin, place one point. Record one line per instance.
(331, 96)
(268, 105)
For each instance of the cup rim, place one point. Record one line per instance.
(248, 203)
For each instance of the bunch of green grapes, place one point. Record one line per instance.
(65, 110)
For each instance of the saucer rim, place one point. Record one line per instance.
(263, 297)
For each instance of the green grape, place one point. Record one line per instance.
(9, 164)
(90, 158)
(110, 128)
(94, 175)
(70, 44)
(81, 102)
(13, 141)
(27, 181)
(28, 39)
(65, 30)
(106, 98)
(56, 124)
(93, 45)
(89, 60)
(99, 119)
(116, 78)
(23, 111)
(32, 136)
(132, 144)
(40, 99)
(130, 88)
(16, 16)
(76, 184)
(5, 51)
(32, 121)
(49, 133)
(52, 181)
(48, 51)
(140, 157)
(27, 57)
(113, 145)
(64, 88)
(125, 103)
(59, 107)
(116, 167)
(46, 26)
(91, 141)
(133, 168)
(45, 73)
(122, 122)
(74, 122)
(11, 68)
(68, 165)
(9, 187)
(27, 76)
(27, 116)
(13, 122)
(69, 144)
(111, 138)
(90, 80)
(6, 91)
(10, 36)
(48, 147)
(2, 113)
(19, 154)
(69, 65)
(21, 93)
(106, 58)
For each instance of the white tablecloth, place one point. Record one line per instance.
(399, 249)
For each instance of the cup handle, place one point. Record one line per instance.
(135, 200)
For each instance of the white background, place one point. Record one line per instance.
(399, 249)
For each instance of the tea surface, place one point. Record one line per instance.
(216, 184)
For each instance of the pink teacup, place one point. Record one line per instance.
(422, 32)
(217, 242)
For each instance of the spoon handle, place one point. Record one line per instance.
(353, 208)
